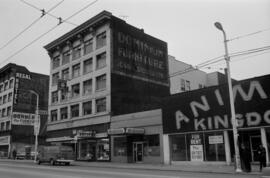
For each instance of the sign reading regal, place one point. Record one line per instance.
(138, 55)
(209, 108)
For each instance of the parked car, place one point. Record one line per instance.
(20, 155)
(56, 155)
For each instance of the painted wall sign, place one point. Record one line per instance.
(215, 139)
(208, 109)
(196, 153)
(139, 55)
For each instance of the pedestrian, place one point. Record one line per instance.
(245, 158)
(262, 156)
(14, 154)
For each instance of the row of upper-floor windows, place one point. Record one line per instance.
(79, 69)
(5, 112)
(5, 126)
(73, 111)
(6, 98)
(76, 90)
(6, 85)
(83, 48)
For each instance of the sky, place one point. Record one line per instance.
(186, 25)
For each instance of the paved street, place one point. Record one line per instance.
(31, 170)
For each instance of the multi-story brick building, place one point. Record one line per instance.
(102, 68)
(18, 106)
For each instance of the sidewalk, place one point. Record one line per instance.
(183, 167)
(203, 168)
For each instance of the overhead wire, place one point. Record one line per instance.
(219, 59)
(48, 12)
(31, 24)
(20, 50)
(249, 34)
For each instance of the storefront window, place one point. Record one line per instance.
(152, 147)
(87, 150)
(103, 150)
(214, 146)
(208, 146)
(120, 146)
(178, 148)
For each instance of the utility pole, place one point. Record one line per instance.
(235, 132)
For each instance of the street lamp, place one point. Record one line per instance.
(235, 132)
(37, 123)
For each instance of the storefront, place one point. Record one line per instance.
(197, 125)
(137, 137)
(90, 143)
(4, 146)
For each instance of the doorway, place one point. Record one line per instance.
(255, 141)
(251, 139)
(137, 152)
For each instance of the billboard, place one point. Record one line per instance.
(209, 109)
(138, 55)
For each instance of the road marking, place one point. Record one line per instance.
(102, 172)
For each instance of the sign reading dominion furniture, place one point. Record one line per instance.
(209, 109)
(138, 55)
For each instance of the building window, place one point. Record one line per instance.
(76, 53)
(66, 57)
(6, 85)
(76, 70)
(1, 88)
(8, 125)
(187, 85)
(2, 126)
(65, 74)
(183, 85)
(11, 83)
(56, 62)
(88, 46)
(101, 40)
(54, 115)
(101, 61)
(87, 108)
(4, 99)
(9, 111)
(64, 94)
(88, 66)
(87, 87)
(1, 100)
(9, 97)
(75, 110)
(55, 78)
(3, 112)
(55, 97)
(101, 105)
(64, 113)
(101, 82)
(75, 90)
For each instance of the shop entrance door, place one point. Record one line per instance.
(255, 141)
(138, 152)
